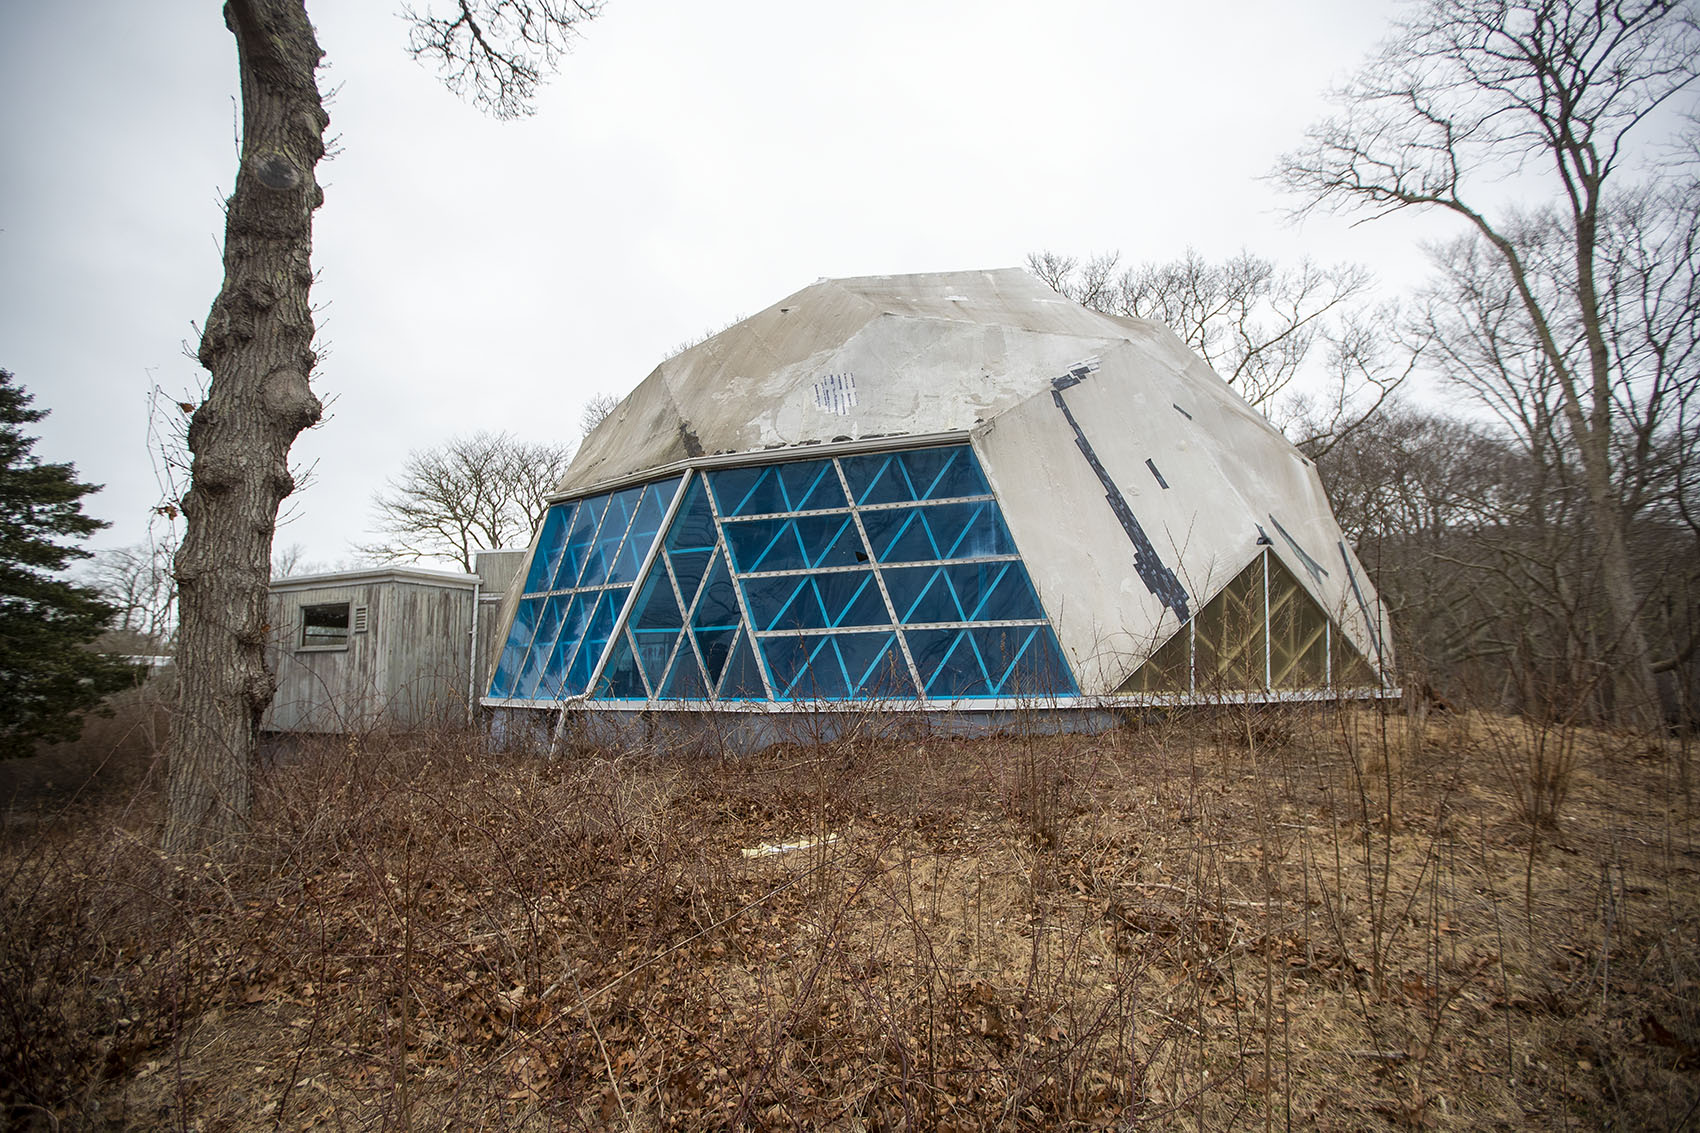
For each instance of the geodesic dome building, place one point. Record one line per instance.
(943, 493)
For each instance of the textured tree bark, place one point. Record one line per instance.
(258, 347)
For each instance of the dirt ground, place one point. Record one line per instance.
(1298, 918)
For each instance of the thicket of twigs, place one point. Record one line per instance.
(1324, 918)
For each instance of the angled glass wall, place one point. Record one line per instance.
(888, 577)
(1260, 633)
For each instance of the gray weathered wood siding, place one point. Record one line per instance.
(408, 670)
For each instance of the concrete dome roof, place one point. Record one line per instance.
(1135, 481)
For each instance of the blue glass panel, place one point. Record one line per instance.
(580, 536)
(715, 646)
(819, 601)
(743, 675)
(542, 646)
(919, 474)
(958, 592)
(748, 491)
(692, 528)
(615, 520)
(620, 679)
(949, 663)
(800, 485)
(654, 650)
(651, 510)
(851, 599)
(875, 665)
(764, 544)
(994, 592)
(944, 473)
(600, 625)
(576, 612)
(684, 681)
(718, 606)
(939, 531)
(1002, 648)
(1029, 660)
(795, 544)
(513, 652)
(877, 479)
(805, 668)
(924, 594)
(548, 554)
(688, 569)
(771, 600)
(811, 485)
(901, 536)
(656, 607)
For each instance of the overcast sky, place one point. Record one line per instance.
(692, 163)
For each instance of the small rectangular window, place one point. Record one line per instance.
(324, 626)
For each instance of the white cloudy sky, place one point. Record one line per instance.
(694, 162)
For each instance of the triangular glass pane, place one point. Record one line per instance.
(787, 657)
(1228, 636)
(688, 569)
(743, 674)
(966, 531)
(595, 638)
(1351, 670)
(949, 663)
(851, 598)
(900, 535)
(748, 491)
(718, 605)
(811, 485)
(876, 479)
(782, 602)
(715, 646)
(656, 607)
(923, 594)
(620, 679)
(543, 645)
(654, 650)
(684, 681)
(516, 647)
(1038, 669)
(566, 645)
(765, 544)
(1298, 632)
(651, 509)
(875, 666)
(995, 591)
(1167, 669)
(692, 528)
(823, 678)
(547, 557)
(581, 535)
(830, 540)
(945, 473)
(615, 521)
(1002, 649)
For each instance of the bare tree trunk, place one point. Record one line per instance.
(258, 347)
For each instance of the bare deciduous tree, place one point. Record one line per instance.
(594, 412)
(258, 348)
(497, 52)
(136, 581)
(1258, 325)
(1561, 94)
(473, 493)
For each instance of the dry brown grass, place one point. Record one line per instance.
(1324, 919)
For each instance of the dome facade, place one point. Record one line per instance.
(950, 492)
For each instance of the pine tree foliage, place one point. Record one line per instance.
(48, 676)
